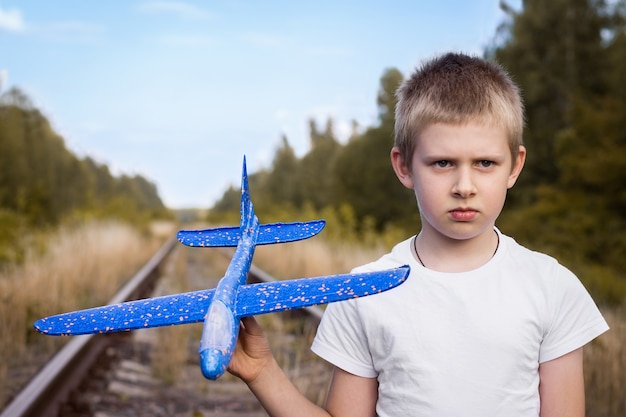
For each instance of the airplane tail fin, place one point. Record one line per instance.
(268, 233)
(246, 207)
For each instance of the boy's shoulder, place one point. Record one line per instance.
(510, 255)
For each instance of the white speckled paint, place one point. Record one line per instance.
(222, 307)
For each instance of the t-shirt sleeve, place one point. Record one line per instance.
(341, 340)
(573, 317)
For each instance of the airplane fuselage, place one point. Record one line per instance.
(222, 307)
(221, 327)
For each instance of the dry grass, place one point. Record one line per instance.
(605, 369)
(171, 354)
(290, 339)
(313, 257)
(188, 269)
(83, 267)
(605, 357)
(75, 267)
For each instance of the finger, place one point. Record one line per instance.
(251, 326)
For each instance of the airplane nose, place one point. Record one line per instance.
(214, 362)
(219, 337)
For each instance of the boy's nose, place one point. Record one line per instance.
(464, 185)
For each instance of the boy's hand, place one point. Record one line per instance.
(254, 363)
(252, 352)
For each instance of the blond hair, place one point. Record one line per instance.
(456, 89)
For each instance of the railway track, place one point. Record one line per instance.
(155, 372)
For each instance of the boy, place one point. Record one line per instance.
(482, 327)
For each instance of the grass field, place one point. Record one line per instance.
(75, 267)
(83, 266)
(605, 357)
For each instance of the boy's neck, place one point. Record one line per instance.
(444, 254)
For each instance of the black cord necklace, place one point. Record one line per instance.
(416, 252)
(422, 262)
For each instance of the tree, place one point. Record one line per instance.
(570, 59)
(364, 178)
(386, 99)
(554, 51)
(315, 180)
(281, 186)
(44, 182)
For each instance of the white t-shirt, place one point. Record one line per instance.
(461, 344)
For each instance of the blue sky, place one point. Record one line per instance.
(179, 91)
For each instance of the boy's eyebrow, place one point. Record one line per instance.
(479, 156)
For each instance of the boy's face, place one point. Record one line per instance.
(460, 175)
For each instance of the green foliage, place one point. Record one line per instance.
(228, 203)
(281, 183)
(569, 58)
(365, 179)
(605, 284)
(554, 50)
(386, 99)
(12, 228)
(313, 179)
(42, 183)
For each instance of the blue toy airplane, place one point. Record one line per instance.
(222, 307)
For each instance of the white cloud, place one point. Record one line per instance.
(11, 20)
(181, 9)
(67, 31)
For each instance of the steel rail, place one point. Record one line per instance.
(50, 388)
(255, 275)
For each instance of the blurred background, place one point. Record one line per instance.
(142, 111)
(178, 91)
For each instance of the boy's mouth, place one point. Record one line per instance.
(463, 214)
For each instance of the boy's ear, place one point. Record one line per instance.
(400, 168)
(518, 164)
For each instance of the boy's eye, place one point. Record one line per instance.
(485, 164)
(442, 164)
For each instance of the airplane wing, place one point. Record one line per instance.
(191, 307)
(254, 299)
(268, 234)
(140, 314)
